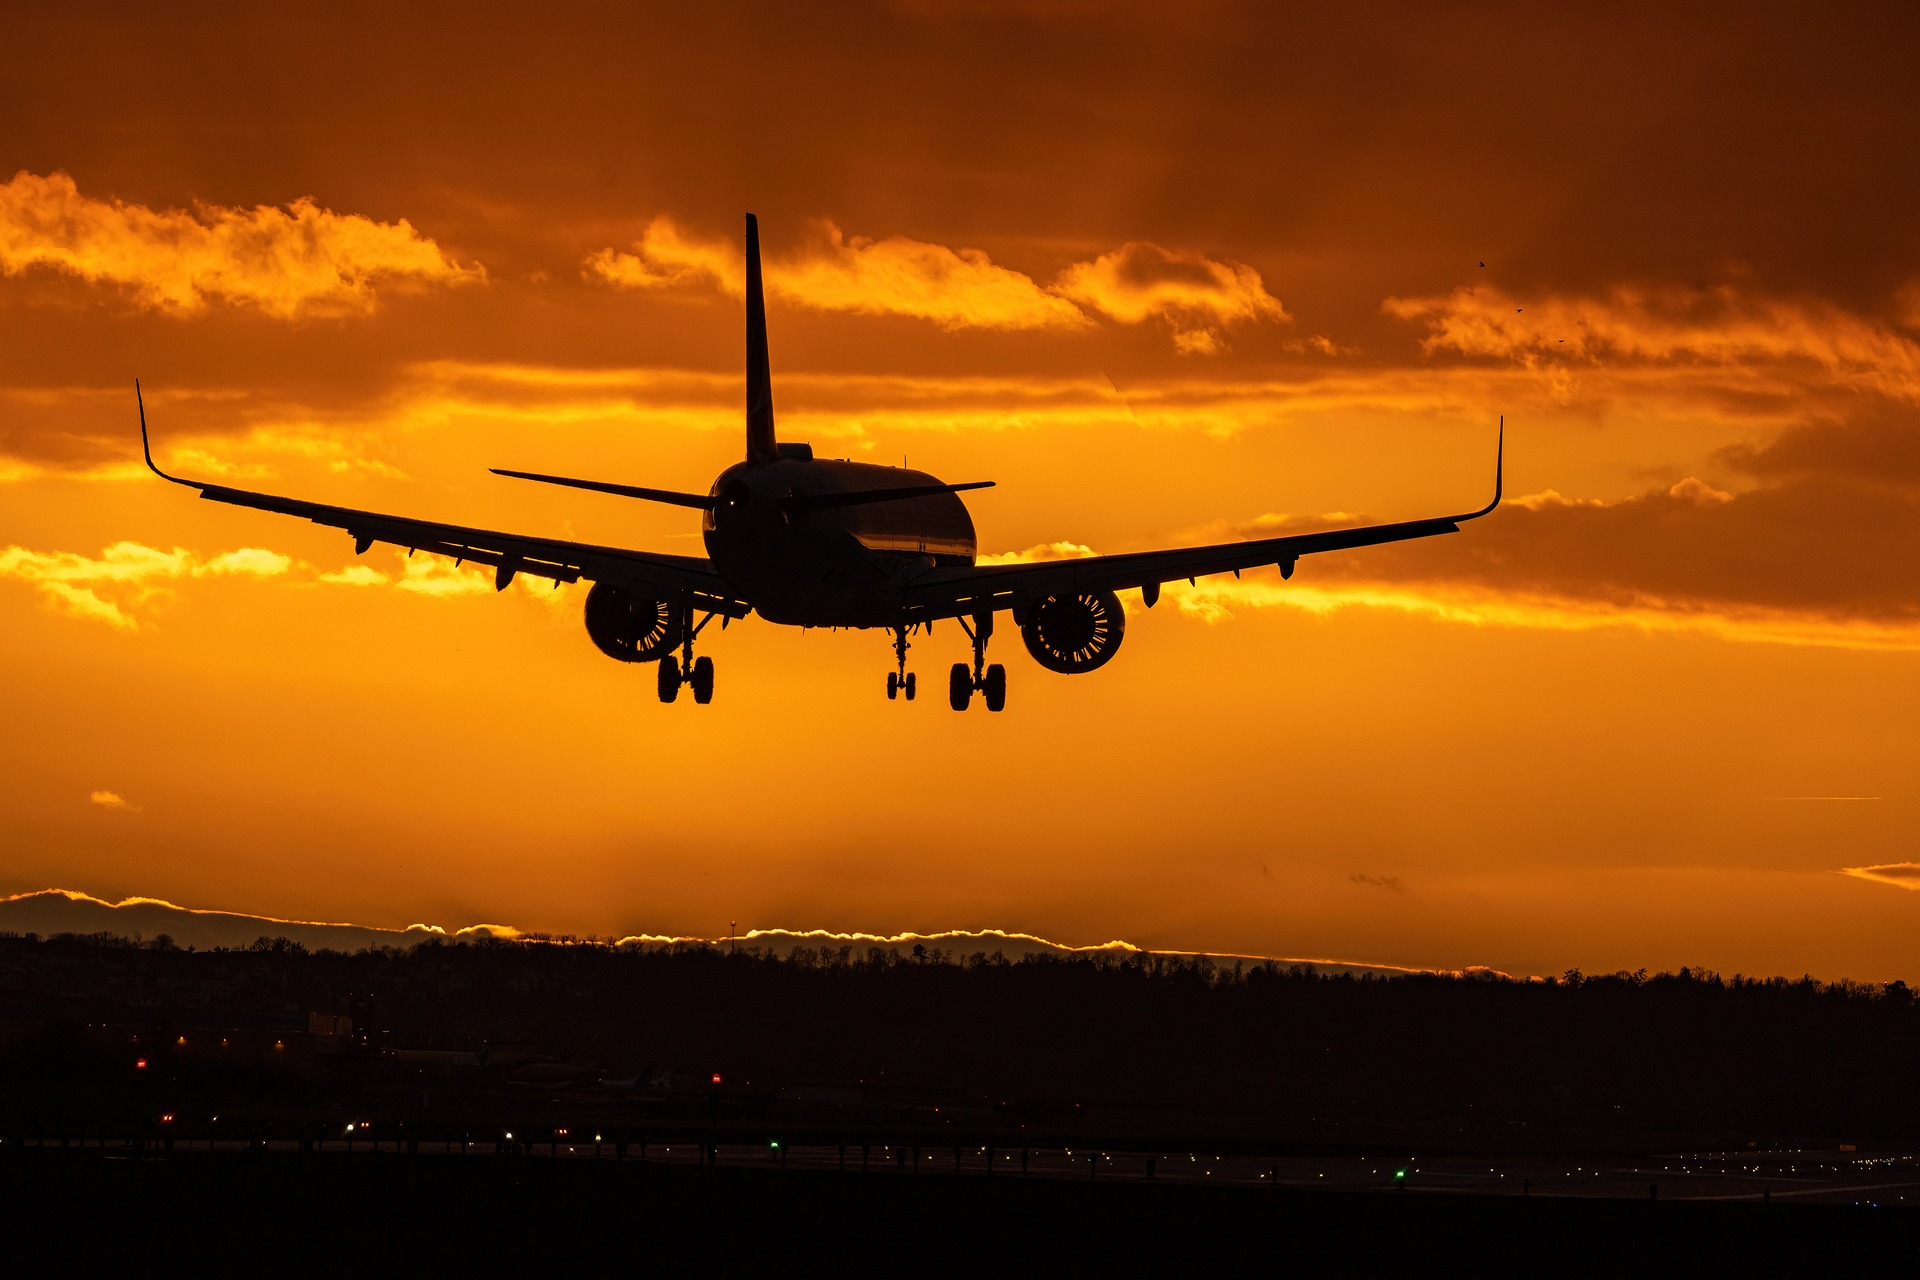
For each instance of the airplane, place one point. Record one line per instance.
(813, 542)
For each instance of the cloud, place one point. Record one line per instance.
(1903, 875)
(109, 800)
(1390, 883)
(113, 586)
(1192, 293)
(666, 255)
(434, 576)
(954, 288)
(469, 931)
(290, 262)
(252, 561)
(1876, 441)
(1719, 326)
(355, 575)
(1042, 551)
(1196, 296)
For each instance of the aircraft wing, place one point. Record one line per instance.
(508, 554)
(945, 593)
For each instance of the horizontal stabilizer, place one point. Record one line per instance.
(700, 500)
(861, 497)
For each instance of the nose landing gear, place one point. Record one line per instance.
(991, 681)
(901, 680)
(687, 669)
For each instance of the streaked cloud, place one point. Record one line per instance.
(1902, 875)
(1367, 880)
(108, 800)
(1196, 296)
(286, 262)
(954, 288)
(1723, 326)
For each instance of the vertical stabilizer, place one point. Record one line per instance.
(759, 376)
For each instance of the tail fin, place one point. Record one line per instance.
(760, 446)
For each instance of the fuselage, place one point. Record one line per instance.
(830, 566)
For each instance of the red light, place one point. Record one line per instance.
(167, 1118)
(139, 1064)
(716, 1077)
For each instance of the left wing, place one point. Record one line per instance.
(690, 578)
(946, 593)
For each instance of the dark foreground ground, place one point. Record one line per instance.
(337, 1212)
(568, 1107)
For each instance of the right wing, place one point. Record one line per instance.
(946, 593)
(692, 578)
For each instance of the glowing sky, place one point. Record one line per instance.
(1164, 274)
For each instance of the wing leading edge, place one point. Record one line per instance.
(508, 554)
(945, 593)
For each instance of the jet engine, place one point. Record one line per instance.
(631, 627)
(1072, 634)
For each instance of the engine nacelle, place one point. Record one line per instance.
(630, 627)
(1073, 634)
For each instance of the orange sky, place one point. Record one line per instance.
(1164, 275)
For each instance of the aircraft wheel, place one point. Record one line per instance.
(702, 680)
(669, 678)
(907, 686)
(995, 687)
(960, 686)
(893, 686)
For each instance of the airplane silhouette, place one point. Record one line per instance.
(812, 542)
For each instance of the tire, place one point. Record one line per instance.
(669, 678)
(995, 687)
(907, 686)
(893, 686)
(702, 680)
(960, 686)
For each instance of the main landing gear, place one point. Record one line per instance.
(991, 681)
(900, 680)
(687, 669)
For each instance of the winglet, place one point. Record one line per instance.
(147, 448)
(1499, 466)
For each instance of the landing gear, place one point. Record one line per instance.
(687, 669)
(994, 687)
(991, 681)
(900, 681)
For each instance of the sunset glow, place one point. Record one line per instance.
(1214, 273)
